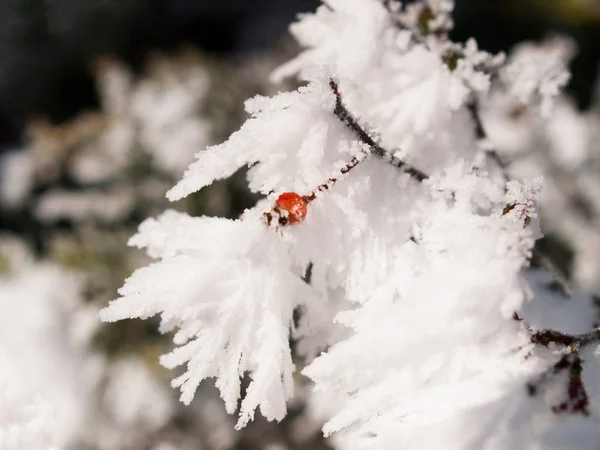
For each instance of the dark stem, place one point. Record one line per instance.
(331, 181)
(348, 119)
(546, 337)
(577, 400)
(342, 113)
(492, 155)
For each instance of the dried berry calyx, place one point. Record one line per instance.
(295, 205)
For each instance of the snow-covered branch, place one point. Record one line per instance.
(574, 341)
(419, 254)
(346, 117)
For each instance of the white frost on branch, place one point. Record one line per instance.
(538, 72)
(561, 146)
(413, 88)
(466, 351)
(388, 240)
(297, 140)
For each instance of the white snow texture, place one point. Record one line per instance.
(407, 288)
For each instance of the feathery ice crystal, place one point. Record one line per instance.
(389, 242)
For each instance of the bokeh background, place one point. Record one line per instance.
(47, 46)
(103, 103)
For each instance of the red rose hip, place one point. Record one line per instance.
(295, 205)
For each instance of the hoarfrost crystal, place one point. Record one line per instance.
(403, 262)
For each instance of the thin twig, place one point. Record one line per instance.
(348, 119)
(577, 401)
(342, 113)
(546, 337)
(331, 181)
(561, 282)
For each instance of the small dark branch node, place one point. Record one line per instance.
(508, 208)
(424, 18)
(451, 59)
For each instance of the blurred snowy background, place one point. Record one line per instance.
(103, 104)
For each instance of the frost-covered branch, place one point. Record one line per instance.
(575, 341)
(291, 208)
(348, 119)
(434, 260)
